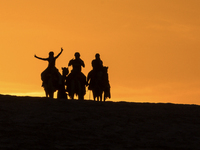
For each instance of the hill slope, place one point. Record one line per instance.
(41, 123)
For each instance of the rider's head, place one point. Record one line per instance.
(97, 56)
(77, 55)
(51, 54)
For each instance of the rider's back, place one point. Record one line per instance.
(76, 64)
(97, 64)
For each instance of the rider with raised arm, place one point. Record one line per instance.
(51, 69)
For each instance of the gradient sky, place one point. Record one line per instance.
(151, 47)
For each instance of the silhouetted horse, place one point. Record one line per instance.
(76, 85)
(51, 84)
(106, 84)
(99, 84)
(62, 90)
(50, 76)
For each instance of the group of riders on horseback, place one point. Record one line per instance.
(75, 82)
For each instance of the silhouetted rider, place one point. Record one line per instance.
(51, 69)
(97, 78)
(97, 63)
(76, 63)
(76, 73)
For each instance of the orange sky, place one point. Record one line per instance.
(151, 46)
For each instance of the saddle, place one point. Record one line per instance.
(50, 73)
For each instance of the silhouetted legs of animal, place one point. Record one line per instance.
(51, 94)
(61, 89)
(97, 94)
(77, 89)
(49, 88)
(76, 85)
(95, 80)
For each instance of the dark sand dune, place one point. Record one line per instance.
(41, 123)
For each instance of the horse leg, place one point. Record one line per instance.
(101, 96)
(59, 94)
(79, 91)
(94, 95)
(51, 94)
(72, 89)
(80, 97)
(46, 93)
(72, 96)
(105, 96)
(97, 98)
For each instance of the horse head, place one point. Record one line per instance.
(65, 71)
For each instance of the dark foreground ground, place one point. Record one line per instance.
(40, 123)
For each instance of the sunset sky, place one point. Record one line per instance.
(152, 47)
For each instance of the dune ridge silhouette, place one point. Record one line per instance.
(45, 123)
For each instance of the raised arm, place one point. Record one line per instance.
(40, 58)
(59, 53)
